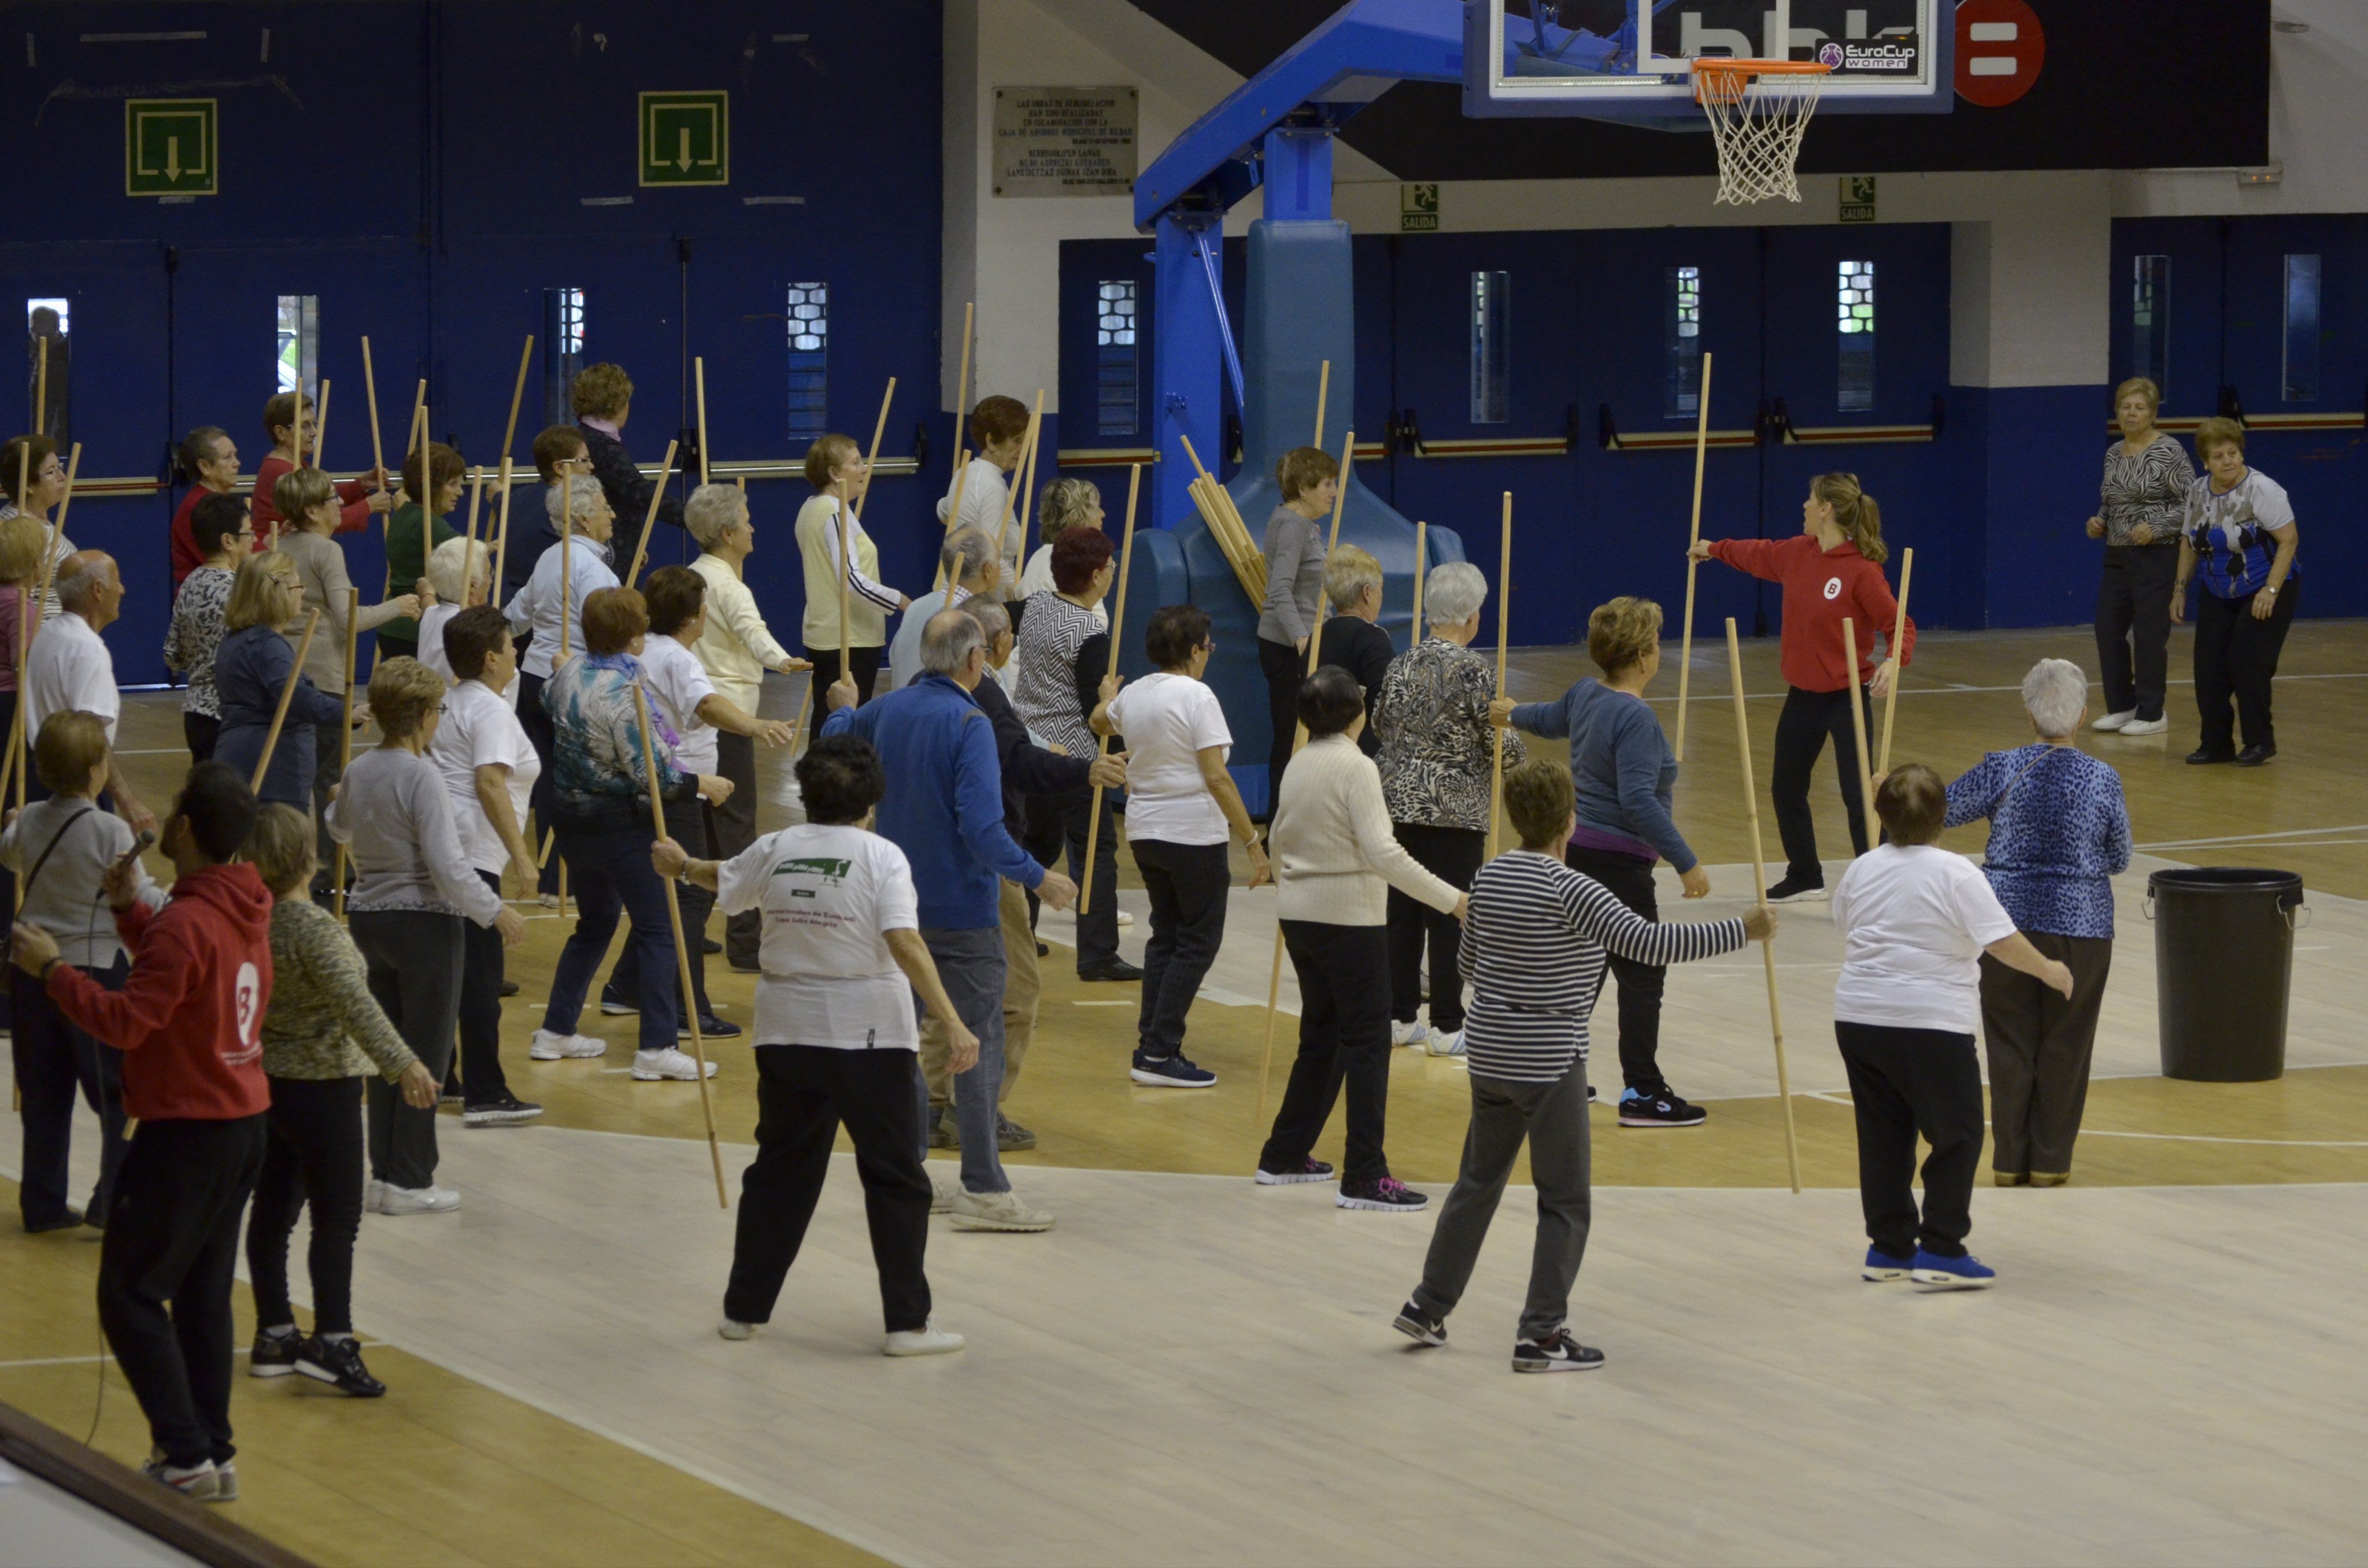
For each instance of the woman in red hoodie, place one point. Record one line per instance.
(1831, 571)
(189, 1023)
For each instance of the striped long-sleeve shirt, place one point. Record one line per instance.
(1534, 946)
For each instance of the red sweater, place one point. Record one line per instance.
(187, 556)
(1821, 588)
(356, 495)
(189, 1020)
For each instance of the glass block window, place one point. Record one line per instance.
(563, 337)
(1681, 341)
(2302, 334)
(1118, 363)
(49, 323)
(2150, 319)
(299, 342)
(809, 328)
(1492, 347)
(1854, 316)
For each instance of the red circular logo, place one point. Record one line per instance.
(2000, 47)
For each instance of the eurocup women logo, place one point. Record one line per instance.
(1829, 54)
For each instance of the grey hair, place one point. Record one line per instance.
(993, 619)
(964, 551)
(2054, 693)
(445, 572)
(949, 640)
(1454, 593)
(711, 509)
(74, 585)
(576, 492)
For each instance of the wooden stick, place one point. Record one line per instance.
(1101, 747)
(1899, 636)
(1027, 487)
(41, 391)
(1323, 389)
(296, 428)
(1028, 453)
(321, 423)
(1274, 787)
(953, 519)
(962, 414)
(681, 953)
(287, 695)
(1858, 732)
(370, 392)
(25, 604)
(1759, 896)
(879, 428)
(1496, 736)
(476, 498)
(345, 737)
(845, 567)
(517, 395)
(1693, 537)
(699, 380)
(650, 520)
(501, 548)
(50, 562)
(1414, 631)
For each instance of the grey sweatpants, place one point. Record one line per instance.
(1553, 1118)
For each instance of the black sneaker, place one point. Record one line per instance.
(1388, 1193)
(1043, 949)
(2204, 755)
(710, 1027)
(274, 1355)
(2253, 756)
(1792, 888)
(710, 947)
(1010, 1137)
(1305, 1171)
(338, 1362)
(64, 1219)
(1420, 1325)
(616, 1004)
(943, 1132)
(508, 1111)
(736, 967)
(453, 1097)
(510, 988)
(1176, 1072)
(1558, 1352)
(1662, 1108)
(1114, 969)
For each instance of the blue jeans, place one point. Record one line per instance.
(971, 967)
(608, 872)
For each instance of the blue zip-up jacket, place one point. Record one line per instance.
(1619, 765)
(944, 806)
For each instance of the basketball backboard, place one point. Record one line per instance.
(1628, 60)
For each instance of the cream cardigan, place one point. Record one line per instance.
(1336, 856)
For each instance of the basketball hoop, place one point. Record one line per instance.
(1758, 124)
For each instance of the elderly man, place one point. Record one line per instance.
(966, 562)
(736, 649)
(68, 669)
(944, 809)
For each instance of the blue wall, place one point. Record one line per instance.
(424, 169)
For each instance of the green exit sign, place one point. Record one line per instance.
(169, 147)
(686, 138)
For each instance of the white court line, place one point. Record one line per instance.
(2265, 839)
(1841, 1100)
(1951, 689)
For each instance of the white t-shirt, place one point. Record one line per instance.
(828, 895)
(432, 621)
(480, 730)
(680, 683)
(1914, 922)
(982, 498)
(1167, 720)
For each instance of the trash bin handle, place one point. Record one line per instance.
(2149, 900)
(2288, 911)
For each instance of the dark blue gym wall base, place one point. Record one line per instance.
(444, 154)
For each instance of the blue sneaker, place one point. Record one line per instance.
(1966, 1273)
(1882, 1267)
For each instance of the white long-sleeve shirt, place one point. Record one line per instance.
(537, 605)
(983, 502)
(737, 646)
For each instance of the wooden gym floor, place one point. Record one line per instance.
(1189, 1369)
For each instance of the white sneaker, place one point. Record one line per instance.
(1448, 1044)
(997, 1212)
(549, 1047)
(372, 1190)
(731, 1329)
(2112, 721)
(649, 1066)
(1414, 1033)
(927, 1340)
(393, 1199)
(942, 1197)
(2146, 726)
(1123, 919)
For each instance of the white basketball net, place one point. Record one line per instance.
(1757, 123)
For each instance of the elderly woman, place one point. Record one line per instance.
(207, 461)
(1063, 663)
(2060, 832)
(414, 891)
(2240, 529)
(414, 530)
(1181, 811)
(34, 459)
(1334, 858)
(357, 498)
(735, 648)
(253, 665)
(1624, 774)
(550, 605)
(1436, 751)
(322, 1034)
(226, 534)
(836, 469)
(460, 573)
(1351, 637)
(1310, 478)
(2144, 500)
(601, 807)
(1071, 503)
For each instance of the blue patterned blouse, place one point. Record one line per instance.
(2059, 831)
(599, 781)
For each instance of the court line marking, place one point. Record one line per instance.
(1952, 689)
(1832, 1097)
(2265, 839)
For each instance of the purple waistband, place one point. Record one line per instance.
(1610, 843)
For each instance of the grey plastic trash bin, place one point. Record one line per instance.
(2223, 963)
